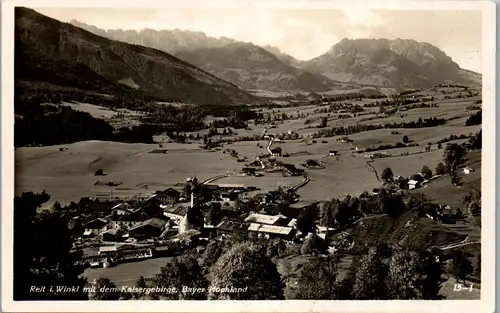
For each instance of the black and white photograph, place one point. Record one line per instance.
(248, 151)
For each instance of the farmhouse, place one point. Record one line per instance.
(468, 170)
(272, 231)
(168, 196)
(249, 170)
(413, 184)
(122, 209)
(109, 235)
(94, 227)
(230, 226)
(148, 229)
(278, 220)
(131, 220)
(229, 195)
(276, 152)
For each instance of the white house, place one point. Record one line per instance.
(413, 184)
(468, 170)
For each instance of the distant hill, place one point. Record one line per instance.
(253, 67)
(51, 52)
(389, 63)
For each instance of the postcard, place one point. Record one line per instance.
(248, 156)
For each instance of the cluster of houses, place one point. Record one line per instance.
(131, 230)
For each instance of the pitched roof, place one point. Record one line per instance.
(230, 225)
(270, 229)
(170, 192)
(154, 222)
(95, 222)
(262, 218)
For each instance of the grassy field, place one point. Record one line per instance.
(128, 273)
(69, 175)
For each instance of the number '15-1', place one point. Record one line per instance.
(460, 287)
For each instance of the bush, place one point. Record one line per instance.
(440, 169)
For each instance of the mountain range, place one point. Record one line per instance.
(51, 52)
(191, 67)
(375, 62)
(384, 62)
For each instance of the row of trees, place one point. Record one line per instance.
(353, 129)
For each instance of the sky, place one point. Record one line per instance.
(301, 33)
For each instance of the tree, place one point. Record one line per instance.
(246, 266)
(459, 266)
(387, 174)
(306, 221)
(212, 253)
(426, 171)
(103, 289)
(313, 244)
(213, 215)
(405, 139)
(414, 275)
(324, 122)
(276, 248)
(453, 156)
(369, 279)
(327, 218)
(181, 271)
(317, 280)
(42, 257)
(440, 169)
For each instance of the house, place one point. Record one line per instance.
(228, 187)
(150, 228)
(168, 196)
(122, 209)
(277, 220)
(229, 195)
(344, 139)
(176, 214)
(276, 152)
(468, 170)
(108, 235)
(249, 170)
(332, 152)
(126, 221)
(272, 231)
(230, 226)
(413, 184)
(94, 227)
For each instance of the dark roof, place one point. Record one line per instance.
(169, 192)
(128, 218)
(231, 225)
(180, 210)
(154, 222)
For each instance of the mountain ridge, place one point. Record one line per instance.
(384, 62)
(56, 45)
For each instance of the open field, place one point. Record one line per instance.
(347, 175)
(128, 273)
(441, 191)
(69, 175)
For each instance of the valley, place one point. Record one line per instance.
(168, 162)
